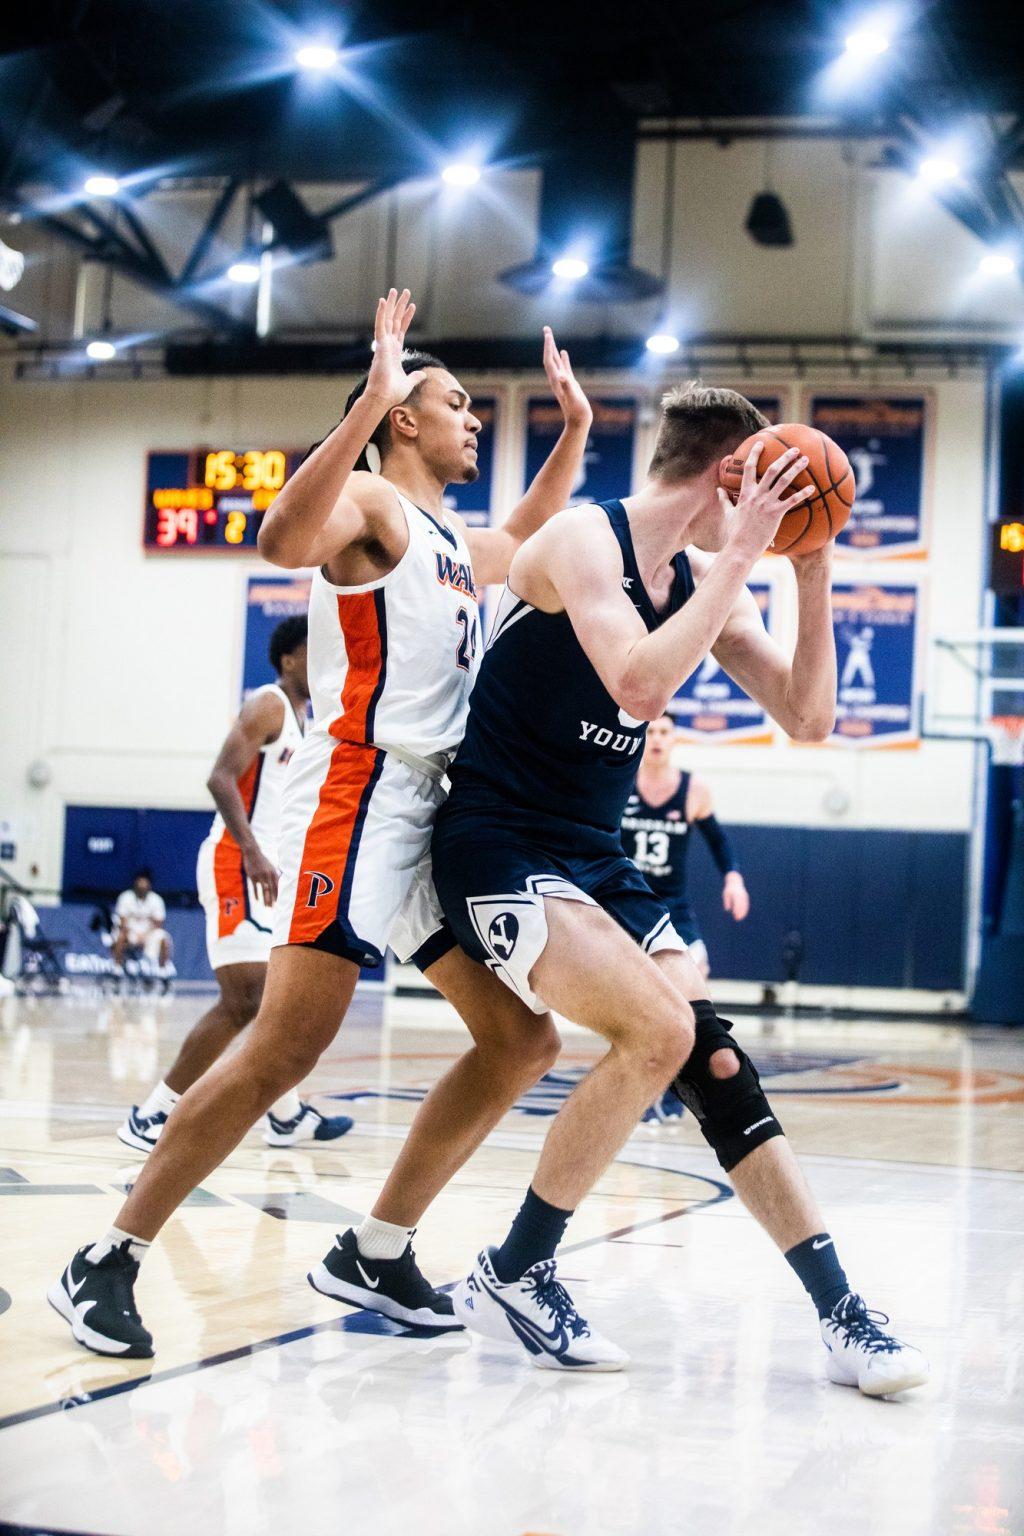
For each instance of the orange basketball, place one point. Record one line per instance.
(822, 515)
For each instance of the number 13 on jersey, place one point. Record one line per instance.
(465, 651)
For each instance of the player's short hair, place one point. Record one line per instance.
(145, 873)
(698, 425)
(381, 438)
(287, 637)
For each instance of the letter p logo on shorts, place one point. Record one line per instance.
(319, 885)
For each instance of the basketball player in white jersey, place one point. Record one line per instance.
(237, 881)
(394, 646)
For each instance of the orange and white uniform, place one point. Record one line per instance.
(238, 925)
(391, 665)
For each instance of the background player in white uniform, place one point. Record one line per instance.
(140, 915)
(237, 880)
(394, 645)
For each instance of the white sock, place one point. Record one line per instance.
(113, 1239)
(161, 1101)
(382, 1239)
(287, 1106)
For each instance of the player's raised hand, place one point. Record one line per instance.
(387, 380)
(574, 405)
(762, 504)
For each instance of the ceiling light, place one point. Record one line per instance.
(102, 186)
(461, 174)
(244, 272)
(767, 220)
(570, 267)
(997, 264)
(316, 56)
(101, 351)
(663, 343)
(867, 43)
(937, 169)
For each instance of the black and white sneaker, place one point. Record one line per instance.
(141, 1131)
(308, 1125)
(98, 1301)
(393, 1287)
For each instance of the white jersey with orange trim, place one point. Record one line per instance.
(391, 666)
(392, 662)
(238, 925)
(261, 786)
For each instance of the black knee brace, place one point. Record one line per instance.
(733, 1113)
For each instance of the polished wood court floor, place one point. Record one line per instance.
(269, 1408)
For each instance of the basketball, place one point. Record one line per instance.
(815, 521)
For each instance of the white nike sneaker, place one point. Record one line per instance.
(538, 1313)
(142, 1132)
(308, 1125)
(861, 1355)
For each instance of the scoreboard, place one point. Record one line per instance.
(208, 499)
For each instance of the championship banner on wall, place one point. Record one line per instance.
(607, 468)
(876, 630)
(884, 439)
(473, 502)
(711, 707)
(268, 600)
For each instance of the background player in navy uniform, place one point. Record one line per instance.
(601, 621)
(656, 824)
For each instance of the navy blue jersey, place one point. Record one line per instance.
(656, 838)
(543, 731)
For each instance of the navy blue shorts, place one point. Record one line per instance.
(495, 862)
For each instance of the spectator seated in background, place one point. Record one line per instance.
(139, 931)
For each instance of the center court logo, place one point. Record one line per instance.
(502, 934)
(319, 885)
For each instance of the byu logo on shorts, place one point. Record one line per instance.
(319, 885)
(503, 933)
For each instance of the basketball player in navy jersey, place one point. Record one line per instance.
(660, 812)
(601, 621)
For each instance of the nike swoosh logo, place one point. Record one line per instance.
(74, 1289)
(555, 1340)
(373, 1284)
(825, 1244)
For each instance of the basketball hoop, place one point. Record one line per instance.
(1008, 740)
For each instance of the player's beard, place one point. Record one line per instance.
(470, 472)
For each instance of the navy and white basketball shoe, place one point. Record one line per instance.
(667, 1110)
(861, 1354)
(395, 1288)
(308, 1125)
(141, 1131)
(98, 1301)
(536, 1312)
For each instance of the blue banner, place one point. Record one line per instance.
(268, 600)
(607, 468)
(884, 439)
(473, 502)
(711, 707)
(876, 630)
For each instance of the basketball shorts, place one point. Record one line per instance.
(355, 855)
(684, 921)
(238, 925)
(494, 863)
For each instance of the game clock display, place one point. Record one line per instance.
(209, 499)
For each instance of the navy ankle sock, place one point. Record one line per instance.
(534, 1235)
(819, 1271)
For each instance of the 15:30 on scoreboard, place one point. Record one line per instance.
(211, 499)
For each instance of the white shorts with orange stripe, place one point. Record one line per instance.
(355, 853)
(238, 925)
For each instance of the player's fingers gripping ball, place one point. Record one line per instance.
(818, 519)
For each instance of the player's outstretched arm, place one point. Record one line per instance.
(799, 693)
(260, 721)
(328, 504)
(492, 549)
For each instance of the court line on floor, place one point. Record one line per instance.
(361, 1322)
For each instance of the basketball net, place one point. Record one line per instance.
(1008, 739)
